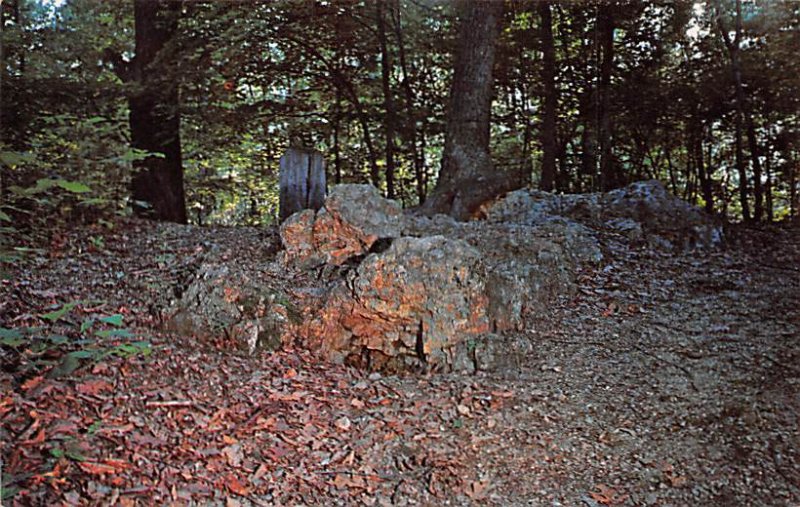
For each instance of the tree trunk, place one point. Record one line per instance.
(706, 183)
(302, 181)
(157, 184)
(548, 138)
(411, 122)
(337, 120)
(589, 137)
(388, 101)
(768, 188)
(467, 177)
(758, 192)
(736, 69)
(605, 25)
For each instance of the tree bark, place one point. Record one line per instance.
(157, 184)
(467, 177)
(388, 100)
(609, 178)
(706, 183)
(411, 122)
(736, 69)
(758, 191)
(548, 133)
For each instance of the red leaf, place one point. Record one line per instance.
(236, 487)
(96, 468)
(94, 387)
(31, 383)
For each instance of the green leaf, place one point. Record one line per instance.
(114, 333)
(9, 492)
(68, 364)
(58, 314)
(83, 354)
(58, 339)
(41, 186)
(15, 158)
(57, 452)
(114, 320)
(86, 324)
(73, 186)
(11, 337)
(94, 427)
(4, 216)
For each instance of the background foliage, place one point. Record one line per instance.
(256, 77)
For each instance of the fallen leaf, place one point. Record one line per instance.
(606, 495)
(236, 487)
(31, 383)
(477, 489)
(94, 387)
(96, 468)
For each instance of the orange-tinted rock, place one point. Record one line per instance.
(353, 218)
(407, 306)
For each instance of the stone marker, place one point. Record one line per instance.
(302, 181)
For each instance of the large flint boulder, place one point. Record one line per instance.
(223, 302)
(642, 211)
(353, 218)
(440, 286)
(407, 306)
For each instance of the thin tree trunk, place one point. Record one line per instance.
(157, 184)
(589, 137)
(733, 53)
(768, 189)
(758, 193)
(706, 183)
(605, 21)
(388, 100)
(548, 136)
(411, 122)
(337, 157)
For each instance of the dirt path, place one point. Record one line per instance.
(666, 380)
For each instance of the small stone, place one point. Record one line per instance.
(343, 423)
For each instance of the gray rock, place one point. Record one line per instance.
(221, 302)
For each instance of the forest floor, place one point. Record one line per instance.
(664, 380)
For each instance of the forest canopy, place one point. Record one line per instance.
(586, 96)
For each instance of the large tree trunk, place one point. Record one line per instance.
(388, 100)
(548, 133)
(736, 69)
(605, 26)
(157, 185)
(467, 177)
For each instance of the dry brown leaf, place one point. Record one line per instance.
(94, 387)
(477, 489)
(236, 487)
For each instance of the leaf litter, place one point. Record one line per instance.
(663, 380)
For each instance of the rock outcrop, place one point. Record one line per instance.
(353, 218)
(642, 211)
(224, 302)
(441, 285)
(382, 290)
